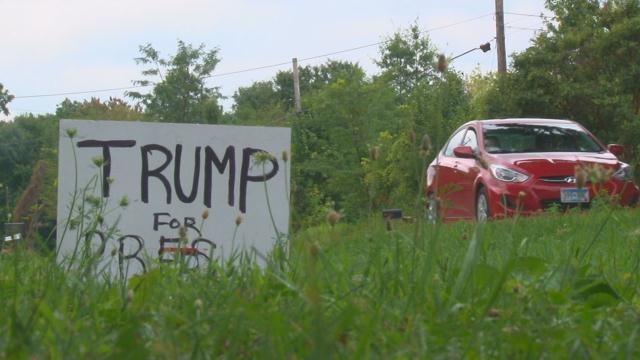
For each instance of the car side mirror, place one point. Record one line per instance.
(615, 149)
(465, 152)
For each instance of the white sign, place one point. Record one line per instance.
(136, 193)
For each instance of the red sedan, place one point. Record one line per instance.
(494, 168)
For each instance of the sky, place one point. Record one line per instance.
(60, 46)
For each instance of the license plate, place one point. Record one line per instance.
(574, 195)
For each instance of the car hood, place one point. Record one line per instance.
(556, 164)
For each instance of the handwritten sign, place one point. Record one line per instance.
(137, 193)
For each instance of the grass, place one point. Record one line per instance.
(548, 286)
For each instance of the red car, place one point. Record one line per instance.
(495, 168)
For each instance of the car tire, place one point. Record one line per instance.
(432, 209)
(483, 212)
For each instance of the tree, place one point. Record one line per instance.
(582, 67)
(259, 104)
(407, 59)
(5, 99)
(95, 109)
(180, 93)
(27, 140)
(342, 117)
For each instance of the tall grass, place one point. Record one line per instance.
(556, 285)
(550, 286)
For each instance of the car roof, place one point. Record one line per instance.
(522, 121)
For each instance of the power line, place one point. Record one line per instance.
(388, 40)
(529, 15)
(250, 69)
(81, 92)
(253, 68)
(524, 28)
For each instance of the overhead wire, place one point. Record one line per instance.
(124, 88)
(253, 68)
(523, 28)
(542, 16)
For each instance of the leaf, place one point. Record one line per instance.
(531, 266)
(484, 275)
(595, 291)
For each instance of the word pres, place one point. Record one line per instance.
(130, 248)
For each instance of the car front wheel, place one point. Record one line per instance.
(432, 209)
(482, 206)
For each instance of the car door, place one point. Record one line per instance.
(447, 177)
(466, 171)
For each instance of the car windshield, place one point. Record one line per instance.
(528, 138)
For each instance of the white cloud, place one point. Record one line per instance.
(44, 29)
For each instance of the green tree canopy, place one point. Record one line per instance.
(259, 104)
(179, 89)
(5, 99)
(583, 67)
(407, 59)
(26, 140)
(95, 109)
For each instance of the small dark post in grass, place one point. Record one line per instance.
(391, 214)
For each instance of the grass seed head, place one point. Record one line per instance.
(285, 156)
(374, 153)
(98, 161)
(333, 217)
(600, 174)
(238, 220)
(92, 200)
(198, 304)
(412, 136)
(182, 232)
(581, 176)
(262, 157)
(205, 214)
(314, 250)
(72, 132)
(442, 63)
(425, 144)
(483, 162)
(124, 201)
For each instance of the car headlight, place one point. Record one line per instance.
(508, 175)
(625, 173)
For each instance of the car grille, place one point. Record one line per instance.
(555, 179)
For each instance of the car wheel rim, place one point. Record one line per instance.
(482, 208)
(432, 210)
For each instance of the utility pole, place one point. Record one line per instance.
(502, 54)
(296, 86)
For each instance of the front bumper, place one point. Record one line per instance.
(535, 195)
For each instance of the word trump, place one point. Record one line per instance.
(225, 163)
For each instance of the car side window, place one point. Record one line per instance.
(455, 141)
(470, 139)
